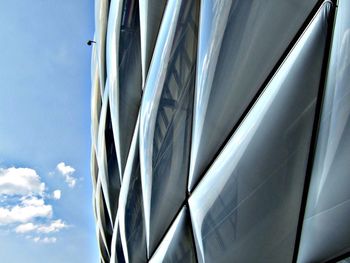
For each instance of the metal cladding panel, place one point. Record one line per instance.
(247, 205)
(177, 245)
(165, 120)
(117, 254)
(131, 219)
(203, 146)
(151, 13)
(101, 17)
(326, 230)
(113, 176)
(124, 72)
(239, 44)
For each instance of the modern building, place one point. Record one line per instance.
(221, 130)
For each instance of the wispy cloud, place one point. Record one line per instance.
(67, 171)
(20, 181)
(46, 240)
(25, 228)
(53, 227)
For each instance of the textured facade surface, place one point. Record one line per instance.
(221, 130)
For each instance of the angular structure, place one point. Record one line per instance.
(221, 130)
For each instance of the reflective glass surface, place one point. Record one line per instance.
(151, 13)
(166, 116)
(112, 167)
(131, 207)
(208, 120)
(326, 230)
(239, 44)
(177, 245)
(246, 208)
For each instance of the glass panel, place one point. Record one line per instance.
(101, 222)
(112, 166)
(151, 13)
(177, 245)
(103, 250)
(326, 231)
(116, 247)
(124, 73)
(246, 208)
(130, 85)
(166, 116)
(131, 218)
(101, 16)
(240, 42)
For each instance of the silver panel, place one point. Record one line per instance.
(166, 115)
(246, 208)
(124, 73)
(101, 216)
(239, 44)
(101, 15)
(117, 254)
(113, 35)
(112, 175)
(231, 189)
(151, 13)
(326, 231)
(177, 245)
(102, 156)
(131, 220)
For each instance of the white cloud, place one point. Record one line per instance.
(32, 200)
(49, 240)
(23, 203)
(24, 228)
(71, 181)
(25, 212)
(65, 169)
(46, 240)
(67, 172)
(20, 181)
(56, 194)
(54, 226)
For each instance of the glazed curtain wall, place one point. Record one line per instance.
(221, 130)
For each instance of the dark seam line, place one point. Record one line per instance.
(271, 75)
(183, 204)
(315, 130)
(192, 233)
(188, 194)
(185, 201)
(339, 258)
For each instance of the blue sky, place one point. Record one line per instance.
(45, 187)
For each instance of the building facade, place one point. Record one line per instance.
(221, 130)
